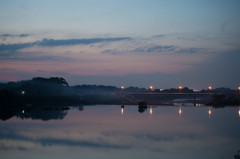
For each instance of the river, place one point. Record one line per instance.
(115, 131)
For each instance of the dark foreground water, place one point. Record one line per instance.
(112, 132)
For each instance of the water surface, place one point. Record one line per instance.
(109, 132)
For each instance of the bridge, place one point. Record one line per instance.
(158, 93)
(179, 95)
(195, 93)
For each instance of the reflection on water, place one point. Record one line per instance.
(36, 113)
(209, 112)
(150, 110)
(239, 112)
(80, 108)
(104, 132)
(142, 106)
(122, 109)
(41, 114)
(180, 110)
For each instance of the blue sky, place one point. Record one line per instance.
(136, 17)
(139, 42)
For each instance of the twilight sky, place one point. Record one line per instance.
(165, 43)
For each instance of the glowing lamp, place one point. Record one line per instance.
(180, 88)
(150, 88)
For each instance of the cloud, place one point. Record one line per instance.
(186, 38)
(53, 42)
(14, 47)
(198, 38)
(23, 35)
(22, 57)
(191, 50)
(159, 36)
(142, 50)
(11, 135)
(5, 36)
(14, 35)
(79, 143)
(161, 48)
(113, 52)
(155, 49)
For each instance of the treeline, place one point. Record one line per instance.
(58, 86)
(56, 91)
(38, 86)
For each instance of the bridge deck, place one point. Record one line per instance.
(155, 93)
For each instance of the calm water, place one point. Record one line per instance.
(109, 132)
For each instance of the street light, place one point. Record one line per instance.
(180, 88)
(151, 88)
(22, 92)
(239, 89)
(122, 88)
(210, 88)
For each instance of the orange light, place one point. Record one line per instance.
(151, 88)
(150, 110)
(180, 111)
(122, 88)
(209, 112)
(180, 89)
(239, 88)
(122, 110)
(210, 87)
(239, 112)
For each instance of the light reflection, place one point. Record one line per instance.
(102, 130)
(180, 110)
(239, 112)
(122, 109)
(150, 110)
(209, 112)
